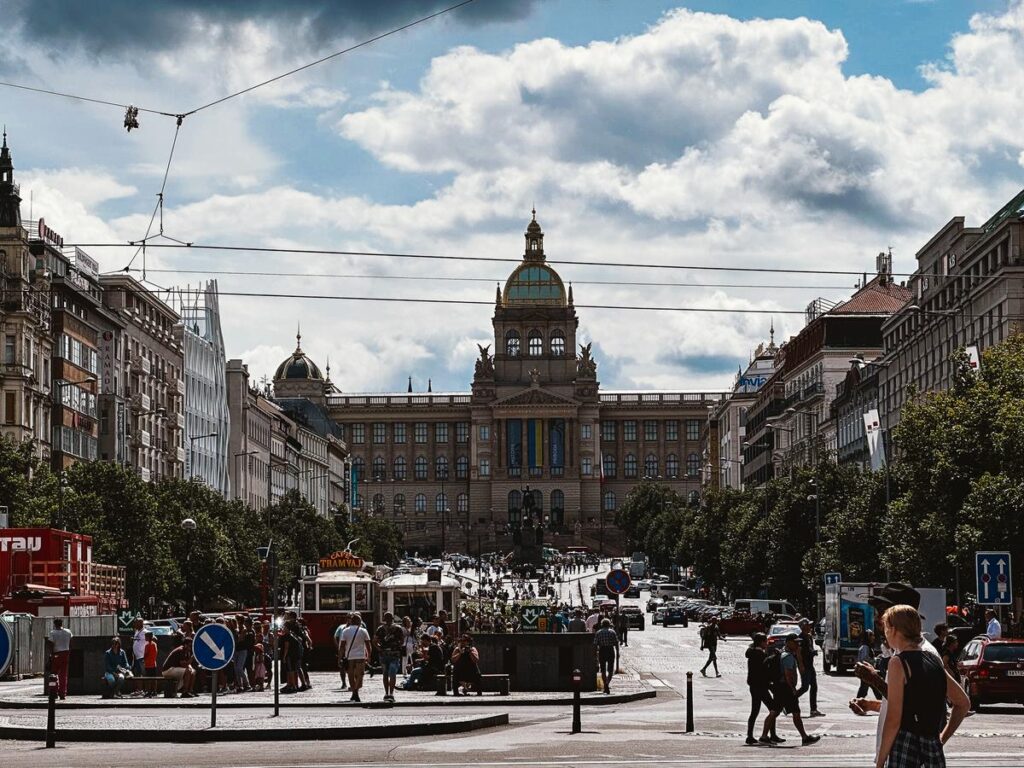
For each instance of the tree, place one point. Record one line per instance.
(300, 533)
(380, 540)
(27, 486)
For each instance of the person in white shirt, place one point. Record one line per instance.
(354, 652)
(139, 648)
(60, 637)
(994, 630)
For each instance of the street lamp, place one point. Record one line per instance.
(192, 450)
(189, 526)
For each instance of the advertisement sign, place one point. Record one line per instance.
(873, 433)
(342, 560)
(750, 382)
(107, 363)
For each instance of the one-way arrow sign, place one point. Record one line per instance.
(992, 570)
(213, 646)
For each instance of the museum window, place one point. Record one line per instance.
(485, 433)
(379, 432)
(485, 467)
(629, 431)
(462, 503)
(651, 466)
(588, 467)
(462, 432)
(399, 468)
(441, 432)
(441, 468)
(399, 504)
(399, 432)
(672, 465)
(557, 343)
(441, 503)
(693, 498)
(609, 467)
(378, 503)
(515, 504)
(358, 433)
(609, 501)
(693, 429)
(420, 503)
(557, 508)
(512, 343)
(358, 468)
(379, 469)
(420, 432)
(536, 343)
(671, 429)
(608, 431)
(586, 431)
(692, 465)
(650, 430)
(629, 467)
(420, 468)
(461, 468)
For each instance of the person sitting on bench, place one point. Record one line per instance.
(115, 668)
(466, 667)
(178, 667)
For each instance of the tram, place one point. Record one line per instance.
(342, 584)
(421, 595)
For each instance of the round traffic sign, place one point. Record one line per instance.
(618, 581)
(6, 647)
(213, 646)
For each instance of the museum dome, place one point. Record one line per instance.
(298, 366)
(533, 282)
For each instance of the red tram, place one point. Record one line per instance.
(341, 586)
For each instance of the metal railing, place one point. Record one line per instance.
(29, 633)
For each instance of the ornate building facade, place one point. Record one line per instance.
(453, 468)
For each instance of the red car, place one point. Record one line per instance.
(993, 670)
(740, 624)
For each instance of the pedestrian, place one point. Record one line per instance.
(243, 647)
(138, 647)
(918, 688)
(607, 644)
(410, 644)
(466, 667)
(259, 666)
(709, 637)
(993, 628)
(178, 667)
(389, 640)
(950, 654)
(577, 624)
(786, 689)
(940, 631)
(622, 627)
(808, 674)
(866, 655)
(354, 651)
(306, 641)
(759, 682)
(115, 668)
(149, 664)
(60, 638)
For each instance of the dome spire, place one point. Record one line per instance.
(298, 337)
(534, 239)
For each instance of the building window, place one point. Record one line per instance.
(692, 465)
(586, 431)
(536, 343)
(693, 498)
(399, 464)
(358, 468)
(420, 504)
(399, 432)
(629, 467)
(512, 343)
(441, 432)
(609, 501)
(651, 466)
(693, 429)
(379, 469)
(672, 465)
(608, 431)
(9, 346)
(461, 468)
(557, 343)
(399, 505)
(650, 431)
(462, 503)
(440, 503)
(358, 433)
(379, 432)
(485, 467)
(462, 432)
(609, 467)
(485, 433)
(588, 467)
(420, 469)
(441, 468)
(421, 432)
(557, 508)
(378, 503)
(629, 431)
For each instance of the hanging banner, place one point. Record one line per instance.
(515, 443)
(873, 432)
(535, 442)
(556, 442)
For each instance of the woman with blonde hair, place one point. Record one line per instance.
(915, 726)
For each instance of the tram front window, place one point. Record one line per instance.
(309, 597)
(336, 597)
(448, 603)
(415, 604)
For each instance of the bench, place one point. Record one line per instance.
(152, 685)
(488, 683)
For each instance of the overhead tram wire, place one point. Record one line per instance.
(351, 48)
(89, 99)
(498, 259)
(158, 208)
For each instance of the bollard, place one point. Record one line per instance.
(51, 711)
(689, 702)
(577, 679)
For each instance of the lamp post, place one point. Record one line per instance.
(192, 451)
(189, 526)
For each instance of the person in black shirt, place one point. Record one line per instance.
(808, 675)
(759, 681)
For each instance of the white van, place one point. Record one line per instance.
(669, 591)
(753, 606)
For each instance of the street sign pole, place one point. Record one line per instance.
(272, 568)
(993, 576)
(213, 648)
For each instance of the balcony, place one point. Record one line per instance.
(179, 455)
(536, 473)
(515, 471)
(812, 390)
(179, 386)
(141, 402)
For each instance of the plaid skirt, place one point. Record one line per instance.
(913, 751)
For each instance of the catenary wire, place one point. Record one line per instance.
(330, 56)
(159, 197)
(84, 98)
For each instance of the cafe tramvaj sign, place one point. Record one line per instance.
(342, 560)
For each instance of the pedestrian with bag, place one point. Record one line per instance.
(759, 682)
(808, 674)
(709, 637)
(786, 698)
(389, 640)
(354, 651)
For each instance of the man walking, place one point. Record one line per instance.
(389, 640)
(808, 674)
(61, 640)
(607, 644)
(354, 651)
(786, 691)
(993, 628)
(709, 637)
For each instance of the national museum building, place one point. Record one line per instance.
(452, 469)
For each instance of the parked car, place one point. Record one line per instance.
(643, 584)
(993, 670)
(659, 614)
(634, 616)
(778, 631)
(738, 623)
(674, 614)
(654, 603)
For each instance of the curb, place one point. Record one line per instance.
(446, 701)
(405, 730)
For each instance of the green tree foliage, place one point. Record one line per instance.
(27, 487)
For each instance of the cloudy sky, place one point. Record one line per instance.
(781, 134)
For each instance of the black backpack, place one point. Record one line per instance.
(773, 667)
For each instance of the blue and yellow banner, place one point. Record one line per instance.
(515, 443)
(556, 442)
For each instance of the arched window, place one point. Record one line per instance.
(672, 465)
(536, 343)
(515, 500)
(538, 500)
(399, 470)
(420, 468)
(461, 468)
(609, 501)
(651, 466)
(380, 471)
(378, 503)
(512, 343)
(693, 498)
(557, 507)
(358, 468)
(440, 502)
(441, 468)
(557, 343)
(462, 502)
(609, 466)
(399, 504)
(692, 465)
(629, 466)
(421, 503)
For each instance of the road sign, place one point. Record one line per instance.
(833, 578)
(213, 646)
(618, 581)
(993, 573)
(6, 647)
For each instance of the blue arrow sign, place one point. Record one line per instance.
(618, 582)
(833, 578)
(6, 647)
(992, 570)
(213, 646)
